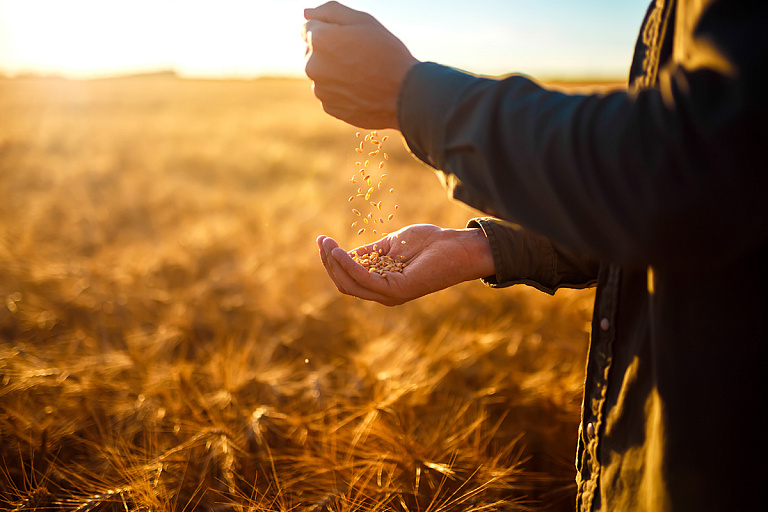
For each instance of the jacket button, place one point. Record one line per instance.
(591, 430)
(605, 324)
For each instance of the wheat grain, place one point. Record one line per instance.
(380, 263)
(372, 138)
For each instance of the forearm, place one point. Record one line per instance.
(653, 177)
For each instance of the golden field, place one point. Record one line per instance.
(169, 339)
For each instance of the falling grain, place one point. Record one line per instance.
(378, 146)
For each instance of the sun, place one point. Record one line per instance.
(84, 38)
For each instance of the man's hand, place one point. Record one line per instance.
(356, 65)
(436, 258)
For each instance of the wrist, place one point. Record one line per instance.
(479, 253)
(407, 64)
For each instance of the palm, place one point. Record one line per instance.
(436, 258)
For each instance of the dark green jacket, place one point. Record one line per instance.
(659, 194)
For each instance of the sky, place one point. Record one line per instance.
(548, 39)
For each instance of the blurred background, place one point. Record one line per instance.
(550, 39)
(168, 337)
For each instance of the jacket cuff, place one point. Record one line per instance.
(511, 249)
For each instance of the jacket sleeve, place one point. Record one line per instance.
(658, 176)
(523, 257)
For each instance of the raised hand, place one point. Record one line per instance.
(356, 65)
(436, 258)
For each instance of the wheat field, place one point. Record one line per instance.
(169, 339)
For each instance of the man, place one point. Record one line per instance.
(655, 193)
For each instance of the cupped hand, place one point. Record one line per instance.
(435, 258)
(356, 65)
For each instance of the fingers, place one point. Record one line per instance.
(359, 282)
(325, 245)
(334, 12)
(351, 278)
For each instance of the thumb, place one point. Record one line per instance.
(334, 12)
